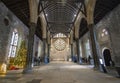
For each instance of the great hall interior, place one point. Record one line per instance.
(57, 37)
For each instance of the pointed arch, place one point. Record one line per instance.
(83, 28)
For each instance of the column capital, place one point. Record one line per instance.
(76, 39)
(71, 44)
(32, 24)
(90, 26)
(44, 39)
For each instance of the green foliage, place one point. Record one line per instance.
(20, 59)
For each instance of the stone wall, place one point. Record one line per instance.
(111, 22)
(8, 23)
(83, 42)
(56, 54)
(102, 42)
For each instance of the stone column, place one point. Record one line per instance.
(72, 52)
(44, 48)
(48, 52)
(94, 50)
(29, 59)
(78, 50)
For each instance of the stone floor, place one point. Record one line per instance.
(59, 72)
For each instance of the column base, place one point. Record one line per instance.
(27, 71)
(102, 68)
(96, 67)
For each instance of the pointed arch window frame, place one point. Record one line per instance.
(13, 44)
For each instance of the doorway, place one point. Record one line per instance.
(107, 57)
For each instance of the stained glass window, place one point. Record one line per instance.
(59, 44)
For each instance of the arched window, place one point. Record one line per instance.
(13, 44)
(104, 33)
(59, 35)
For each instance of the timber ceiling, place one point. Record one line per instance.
(103, 7)
(60, 14)
(20, 8)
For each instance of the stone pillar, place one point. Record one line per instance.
(94, 50)
(48, 52)
(44, 49)
(78, 50)
(29, 59)
(72, 51)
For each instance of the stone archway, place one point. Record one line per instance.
(83, 28)
(107, 57)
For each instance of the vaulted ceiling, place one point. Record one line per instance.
(60, 14)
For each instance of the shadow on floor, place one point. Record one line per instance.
(10, 78)
(35, 81)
